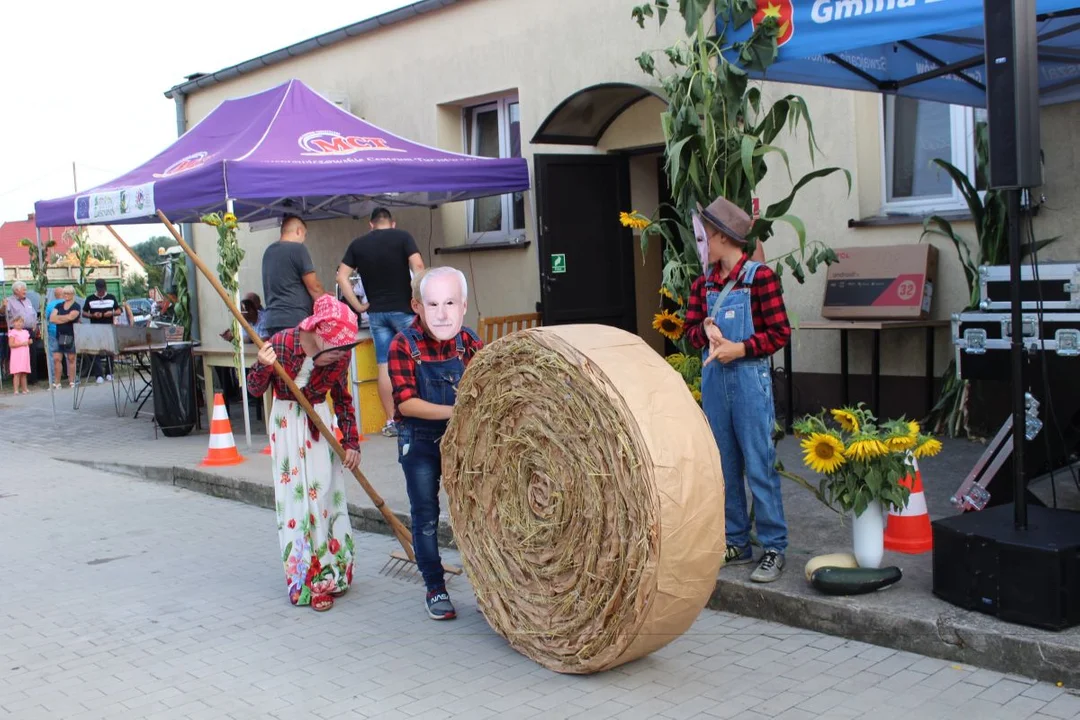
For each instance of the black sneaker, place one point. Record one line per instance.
(738, 556)
(439, 606)
(772, 564)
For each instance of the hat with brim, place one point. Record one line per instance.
(335, 324)
(728, 218)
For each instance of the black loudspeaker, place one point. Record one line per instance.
(1012, 93)
(1029, 577)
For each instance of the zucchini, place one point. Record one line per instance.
(844, 560)
(853, 581)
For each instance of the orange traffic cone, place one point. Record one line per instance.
(266, 450)
(908, 531)
(222, 445)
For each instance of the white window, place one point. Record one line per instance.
(494, 130)
(917, 132)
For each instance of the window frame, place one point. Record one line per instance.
(962, 126)
(469, 136)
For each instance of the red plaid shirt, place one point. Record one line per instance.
(771, 328)
(402, 367)
(324, 379)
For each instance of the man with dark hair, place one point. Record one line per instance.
(101, 308)
(289, 281)
(386, 258)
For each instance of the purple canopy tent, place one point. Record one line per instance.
(286, 149)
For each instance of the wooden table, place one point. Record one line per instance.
(876, 327)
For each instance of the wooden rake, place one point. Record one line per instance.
(402, 564)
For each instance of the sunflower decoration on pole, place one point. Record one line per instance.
(862, 460)
(230, 255)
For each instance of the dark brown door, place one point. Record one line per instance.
(586, 255)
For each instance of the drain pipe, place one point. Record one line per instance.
(186, 229)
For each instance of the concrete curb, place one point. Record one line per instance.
(364, 519)
(953, 637)
(959, 636)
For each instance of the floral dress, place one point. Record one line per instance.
(314, 531)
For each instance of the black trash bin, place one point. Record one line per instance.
(175, 407)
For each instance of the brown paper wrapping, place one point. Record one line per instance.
(586, 495)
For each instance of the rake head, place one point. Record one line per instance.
(401, 567)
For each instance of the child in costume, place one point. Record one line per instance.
(426, 362)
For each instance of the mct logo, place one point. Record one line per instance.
(329, 142)
(184, 164)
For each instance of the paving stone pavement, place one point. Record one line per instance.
(127, 599)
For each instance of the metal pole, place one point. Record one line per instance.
(240, 374)
(1017, 358)
(187, 231)
(42, 324)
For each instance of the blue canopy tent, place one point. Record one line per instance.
(926, 49)
(929, 50)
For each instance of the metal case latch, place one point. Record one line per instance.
(1027, 326)
(975, 341)
(1068, 342)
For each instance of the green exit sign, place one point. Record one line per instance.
(558, 264)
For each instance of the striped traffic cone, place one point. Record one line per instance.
(222, 445)
(908, 531)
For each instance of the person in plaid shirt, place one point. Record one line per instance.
(309, 478)
(736, 310)
(426, 362)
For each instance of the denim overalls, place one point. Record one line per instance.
(418, 453)
(738, 402)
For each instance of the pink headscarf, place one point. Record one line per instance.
(333, 321)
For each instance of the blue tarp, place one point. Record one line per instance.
(928, 49)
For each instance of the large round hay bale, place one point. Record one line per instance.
(586, 495)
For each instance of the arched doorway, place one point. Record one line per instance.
(587, 259)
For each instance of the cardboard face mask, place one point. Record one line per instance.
(702, 237)
(443, 308)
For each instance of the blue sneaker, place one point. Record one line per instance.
(738, 556)
(439, 606)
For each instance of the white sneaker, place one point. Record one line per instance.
(100, 380)
(109, 378)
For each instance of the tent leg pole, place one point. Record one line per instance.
(43, 328)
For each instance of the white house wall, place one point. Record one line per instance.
(414, 77)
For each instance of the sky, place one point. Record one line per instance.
(84, 83)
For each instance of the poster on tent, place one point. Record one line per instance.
(115, 204)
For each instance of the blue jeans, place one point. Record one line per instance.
(384, 326)
(421, 461)
(739, 406)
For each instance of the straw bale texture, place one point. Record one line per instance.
(586, 495)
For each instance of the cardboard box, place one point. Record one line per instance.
(889, 282)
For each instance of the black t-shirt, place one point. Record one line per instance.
(67, 328)
(382, 259)
(288, 301)
(97, 304)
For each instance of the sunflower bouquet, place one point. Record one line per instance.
(862, 459)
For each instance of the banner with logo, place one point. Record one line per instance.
(115, 205)
(889, 45)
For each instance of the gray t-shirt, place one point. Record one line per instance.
(288, 302)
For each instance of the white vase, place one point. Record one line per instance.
(868, 535)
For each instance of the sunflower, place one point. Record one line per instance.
(634, 220)
(668, 324)
(671, 296)
(866, 448)
(824, 453)
(229, 219)
(847, 420)
(913, 429)
(929, 447)
(900, 443)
